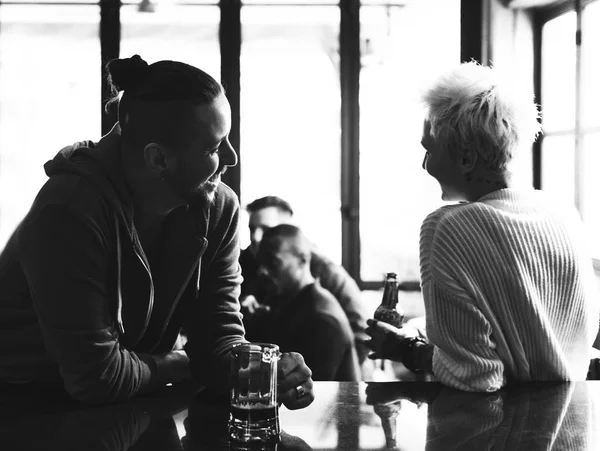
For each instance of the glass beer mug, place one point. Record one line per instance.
(253, 389)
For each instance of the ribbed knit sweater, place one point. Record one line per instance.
(509, 289)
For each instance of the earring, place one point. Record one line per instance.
(163, 174)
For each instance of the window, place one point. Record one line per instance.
(188, 33)
(288, 76)
(570, 95)
(402, 48)
(590, 123)
(558, 112)
(290, 115)
(49, 98)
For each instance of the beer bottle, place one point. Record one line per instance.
(388, 413)
(388, 311)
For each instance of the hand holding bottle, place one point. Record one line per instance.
(388, 413)
(388, 310)
(385, 339)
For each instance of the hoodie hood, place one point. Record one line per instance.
(99, 163)
(185, 234)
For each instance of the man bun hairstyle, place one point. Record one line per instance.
(125, 74)
(163, 81)
(156, 101)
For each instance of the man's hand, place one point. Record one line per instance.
(173, 366)
(180, 342)
(250, 305)
(295, 381)
(385, 339)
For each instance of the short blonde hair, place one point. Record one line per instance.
(472, 107)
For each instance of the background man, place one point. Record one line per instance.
(304, 318)
(268, 212)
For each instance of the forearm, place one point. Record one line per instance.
(117, 378)
(171, 367)
(465, 355)
(417, 355)
(212, 372)
(209, 344)
(423, 357)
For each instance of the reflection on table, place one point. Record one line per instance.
(345, 416)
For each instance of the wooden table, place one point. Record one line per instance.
(345, 416)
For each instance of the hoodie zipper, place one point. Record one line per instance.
(181, 290)
(151, 300)
(119, 293)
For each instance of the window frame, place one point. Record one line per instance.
(542, 16)
(230, 42)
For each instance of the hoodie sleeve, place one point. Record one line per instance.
(66, 259)
(215, 322)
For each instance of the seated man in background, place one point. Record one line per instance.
(508, 284)
(305, 318)
(268, 212)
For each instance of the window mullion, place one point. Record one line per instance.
(537, 86)
(230, 41)
(349, 82)
(110, 42)
(579, 157)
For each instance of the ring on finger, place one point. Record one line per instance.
(300, 391)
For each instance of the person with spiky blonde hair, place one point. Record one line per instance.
(508, 283)
(477, 120)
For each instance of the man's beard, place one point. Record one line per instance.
(199, 197)
(196, 196)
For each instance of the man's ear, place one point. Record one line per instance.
(468, 161)
(155, 157)
(304, 257)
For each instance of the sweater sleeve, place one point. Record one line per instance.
(465, 355)
(65, 259)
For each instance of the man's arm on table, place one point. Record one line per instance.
(214, 323)
(66, 258)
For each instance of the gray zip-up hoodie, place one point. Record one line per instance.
(80, 304)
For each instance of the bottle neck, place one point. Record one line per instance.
(390, 294)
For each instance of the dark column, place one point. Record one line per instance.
(349, 79)
(110, 42)
(472, 37)
(537, 86)
(230, 39)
